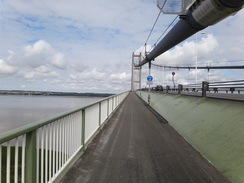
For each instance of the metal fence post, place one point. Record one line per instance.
(167, 89)
(100, 114)
(83, 129)
(205, 88)
(30, 157)
(112, 104)
(180, 88)
(107, 107)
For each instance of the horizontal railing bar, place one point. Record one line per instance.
(191, 87)
(225, 84)
(198, 84)
(228, 81)
(226, 87)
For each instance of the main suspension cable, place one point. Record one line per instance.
(153, 27)
(151, 30)
(164, 32)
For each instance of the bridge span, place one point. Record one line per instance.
(135, 146)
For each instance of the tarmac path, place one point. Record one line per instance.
(134, 147)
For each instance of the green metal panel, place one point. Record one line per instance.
(30, 158)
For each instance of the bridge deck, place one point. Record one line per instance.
(135, 147)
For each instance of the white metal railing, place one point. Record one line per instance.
(57, 142)
(12, 167)
(40, 152)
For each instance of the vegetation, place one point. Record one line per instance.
(22, 92)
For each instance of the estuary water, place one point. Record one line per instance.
(19, 110)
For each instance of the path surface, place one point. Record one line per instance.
(134, 147)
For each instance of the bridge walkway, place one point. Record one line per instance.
(135, 147)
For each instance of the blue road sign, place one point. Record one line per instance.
(149, 78)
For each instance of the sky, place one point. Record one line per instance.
(87, 46)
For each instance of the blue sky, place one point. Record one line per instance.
(86, 46)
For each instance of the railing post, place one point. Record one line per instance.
(30, 157)
(205, 88)
(100, 114)
(180, 88)
(107, 107)
(83, 129)
(167, 89)
(112, 104)
(232, 89)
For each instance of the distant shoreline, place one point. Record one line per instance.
(48, 93)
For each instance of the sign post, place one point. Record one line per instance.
(149, 82)
(149, 78)
(173, 79)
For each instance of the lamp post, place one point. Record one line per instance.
(197, 60)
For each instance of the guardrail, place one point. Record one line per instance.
(41, 152)
(226, 89)
(228, 86)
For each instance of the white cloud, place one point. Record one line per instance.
(76, 78)
(95, 74)
(42, 69)
(40, 47)
(92, 76)
(53, 74)
(28, 75)
(6, 69)
(11, 54)
(58, 60)
(42, 52)
(186, 53)
(55, 81)
(236, 50)
(120, 78)
(39, 60)
(34, 75)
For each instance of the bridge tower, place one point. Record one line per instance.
(136, 72)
